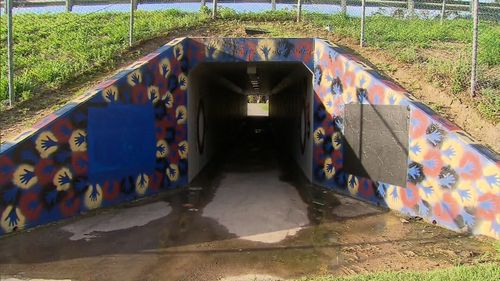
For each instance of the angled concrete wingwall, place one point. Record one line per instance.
(448, 179)
(130, 138)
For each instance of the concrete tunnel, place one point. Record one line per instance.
(218, 101)
(157, 124)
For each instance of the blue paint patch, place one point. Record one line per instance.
(121, 141)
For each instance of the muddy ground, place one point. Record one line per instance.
(250, 214)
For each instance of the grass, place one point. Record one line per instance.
(442, 50)
(53, 49)
(483, 272)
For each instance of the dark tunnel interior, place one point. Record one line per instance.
(221, 119)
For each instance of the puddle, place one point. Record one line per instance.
(87, 228)
(258, 206)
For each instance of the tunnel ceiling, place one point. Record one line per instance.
(262, 78)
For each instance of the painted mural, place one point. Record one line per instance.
(451, 181)
(128, 139)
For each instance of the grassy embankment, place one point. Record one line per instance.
(484, 272)
(52, 50)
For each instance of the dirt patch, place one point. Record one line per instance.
(458, 109)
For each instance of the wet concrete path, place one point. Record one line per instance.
(249, 215)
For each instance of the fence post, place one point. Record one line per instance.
(363, 8)
(443, 11)
(273, 5)
(214, 9)
(131, 25)
(473, 76)
(411, 7)
(10, 51)
(343, 6)
(69, 5)
(299, 10)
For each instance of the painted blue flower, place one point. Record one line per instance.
(414, 172)
(434, 137)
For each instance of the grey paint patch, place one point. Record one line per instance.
(376, 142)
(262, 209)
(116, 220)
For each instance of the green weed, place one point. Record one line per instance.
(483, 272)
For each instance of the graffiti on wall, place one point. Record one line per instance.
(128, 139)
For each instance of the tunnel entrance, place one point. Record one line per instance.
(230, 100)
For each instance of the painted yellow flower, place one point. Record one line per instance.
(183, 149)
(172, 172)
(78, 140)
(319, 135)
(164, 67)
(62, 179)
(141, 184)
(179, 51)
(46, 144)
(12, 218)
(266, 49)
(328, 103)
(110, 94)
(328, 168)
(353, 184)
(417, 149)
(169, 100)
(181, 114)
(93, 196)
(430, 191)
(393, 197)
(362, 79)
(349, 95)
(337, 140)
(485, 227)
(393, 98)
(213, 48)
(161, 149)
(465, 194)
(24, 176)
(183, 81)
(451, 151)
(153, 94)
(134, 78)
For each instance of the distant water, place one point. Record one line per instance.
(239, 7)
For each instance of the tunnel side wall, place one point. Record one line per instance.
(215, 114)
(451, 180)
(124, 140)
(290, 112)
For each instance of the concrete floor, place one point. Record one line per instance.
(249, 216)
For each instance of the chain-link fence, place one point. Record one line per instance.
(456, 41)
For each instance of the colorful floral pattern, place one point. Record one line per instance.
(451, 180)
(44, 172)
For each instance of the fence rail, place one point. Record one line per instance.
(451, 5)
